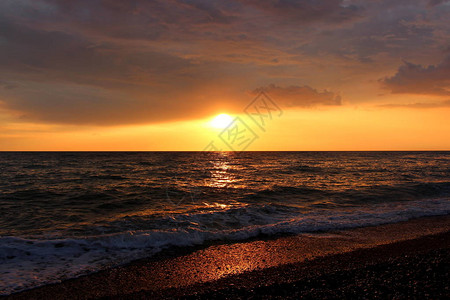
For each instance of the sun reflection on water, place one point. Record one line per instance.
(221, 175)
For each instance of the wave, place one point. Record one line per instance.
(368, 194)
(310, 169)
(108, 177)
(56, 258)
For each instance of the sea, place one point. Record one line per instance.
(65, 214)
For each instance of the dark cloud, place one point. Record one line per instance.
(135, 19)
(300, 96)
(7, 85)
(59, 56)
(72, 78)
(388, 28)
(307, 11)
(436, 2)
(416, 79)
(116, 62)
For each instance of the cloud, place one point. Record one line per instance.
(378, 33)
(432, 3)
(418, 105)
(68, 77)
(300, 96)
(129, 20)
(308, 11)
(417, 79)
(117, 62)
(7, 85)
(87, 105)
(60, 56)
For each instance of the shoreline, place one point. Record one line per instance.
(416, 268)
(191, 270)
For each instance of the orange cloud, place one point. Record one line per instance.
(300, 96)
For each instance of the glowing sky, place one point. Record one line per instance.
(151, 75)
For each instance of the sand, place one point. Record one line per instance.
(399, 260)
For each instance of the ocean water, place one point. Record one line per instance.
(67, 214)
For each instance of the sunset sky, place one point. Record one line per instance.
(151, 75)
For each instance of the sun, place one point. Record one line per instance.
(221, 121)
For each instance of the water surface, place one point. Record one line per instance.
(65, 214)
